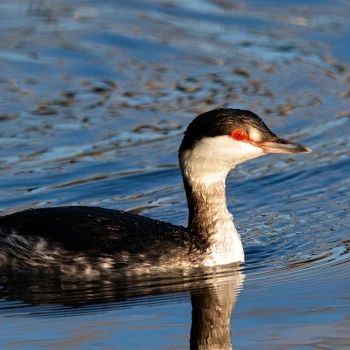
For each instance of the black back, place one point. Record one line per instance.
(92, 230)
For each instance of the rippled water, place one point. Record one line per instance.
(94, 99)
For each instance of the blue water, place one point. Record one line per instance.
(94, 100)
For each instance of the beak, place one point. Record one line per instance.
(282, 146)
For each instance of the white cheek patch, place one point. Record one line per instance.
(212, 157)
(255, 135)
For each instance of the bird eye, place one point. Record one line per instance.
(239, 135)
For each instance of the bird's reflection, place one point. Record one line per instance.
(213, 296)
(211, 311)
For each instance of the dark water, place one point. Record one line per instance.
(94, 98)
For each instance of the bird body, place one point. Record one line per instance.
(93, 241)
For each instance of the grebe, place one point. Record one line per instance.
(89, 240)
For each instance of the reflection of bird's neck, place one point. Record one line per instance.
(209, 219)
(211, 312)
(210, 323)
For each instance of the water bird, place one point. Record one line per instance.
(92, 241)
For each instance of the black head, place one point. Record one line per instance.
(220, 122)
(250, 128)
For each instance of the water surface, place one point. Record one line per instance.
(94, 99)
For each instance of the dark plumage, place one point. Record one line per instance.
(91, 230)
(221, 122)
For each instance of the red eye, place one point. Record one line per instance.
(239, 135)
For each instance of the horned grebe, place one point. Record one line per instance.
(89, 240)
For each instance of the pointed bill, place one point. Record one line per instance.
(280, 145)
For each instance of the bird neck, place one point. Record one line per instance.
(207, 206)
(210, 223)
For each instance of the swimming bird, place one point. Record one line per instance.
(93, 241)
